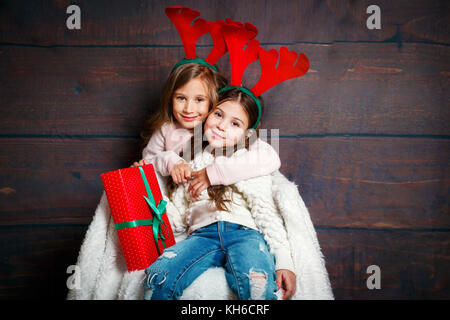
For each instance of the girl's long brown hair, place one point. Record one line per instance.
(217, 193)
(178, 78)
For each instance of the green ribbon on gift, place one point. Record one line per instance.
(157, 211)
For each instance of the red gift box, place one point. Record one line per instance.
(138, 212)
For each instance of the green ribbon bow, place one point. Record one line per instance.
(157, 211)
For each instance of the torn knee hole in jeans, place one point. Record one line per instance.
(262, 247)
(258, 281)
(154, 275)
(153, 278)
(169, 254)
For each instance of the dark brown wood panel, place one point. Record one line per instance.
(52, 181)
(35, 260)
(350, 88)
(371, 181)
(413, 265)
(286, 21)
(345, 182)
(364, 132)
(364, 89)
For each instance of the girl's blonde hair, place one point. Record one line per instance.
(178, 78)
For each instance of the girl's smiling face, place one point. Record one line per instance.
(190, 103)
(226, 124)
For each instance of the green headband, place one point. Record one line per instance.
(196, 60)
(249, 93)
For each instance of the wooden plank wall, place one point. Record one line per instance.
(365, 134)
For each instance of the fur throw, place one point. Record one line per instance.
(104, 276)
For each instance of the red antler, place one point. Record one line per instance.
(182, 18)
(247, 25)
(271, 76)
(219, 45)
(236, 37)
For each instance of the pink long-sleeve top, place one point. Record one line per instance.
(166, 143)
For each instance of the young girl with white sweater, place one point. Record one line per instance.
(225, 229)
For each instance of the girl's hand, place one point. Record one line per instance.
(199, 183)
(286, 281)
(181, 172)
(140, 163)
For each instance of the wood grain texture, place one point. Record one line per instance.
(364, 134)
(414, 265)
(35, 260)
(144, 22)
(54, 181)
(350, 88)
(345, 182)
(371, 182)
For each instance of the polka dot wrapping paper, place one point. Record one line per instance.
(125, 191)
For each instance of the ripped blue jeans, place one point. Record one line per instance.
(241, 251)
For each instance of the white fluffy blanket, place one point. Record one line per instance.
(103, 274)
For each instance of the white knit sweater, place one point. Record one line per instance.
(263, 216)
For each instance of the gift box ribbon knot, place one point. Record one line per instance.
(157, 211)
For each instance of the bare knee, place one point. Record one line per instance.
(258, 282)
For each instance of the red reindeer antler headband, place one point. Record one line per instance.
(182, 18)
(236, 37)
